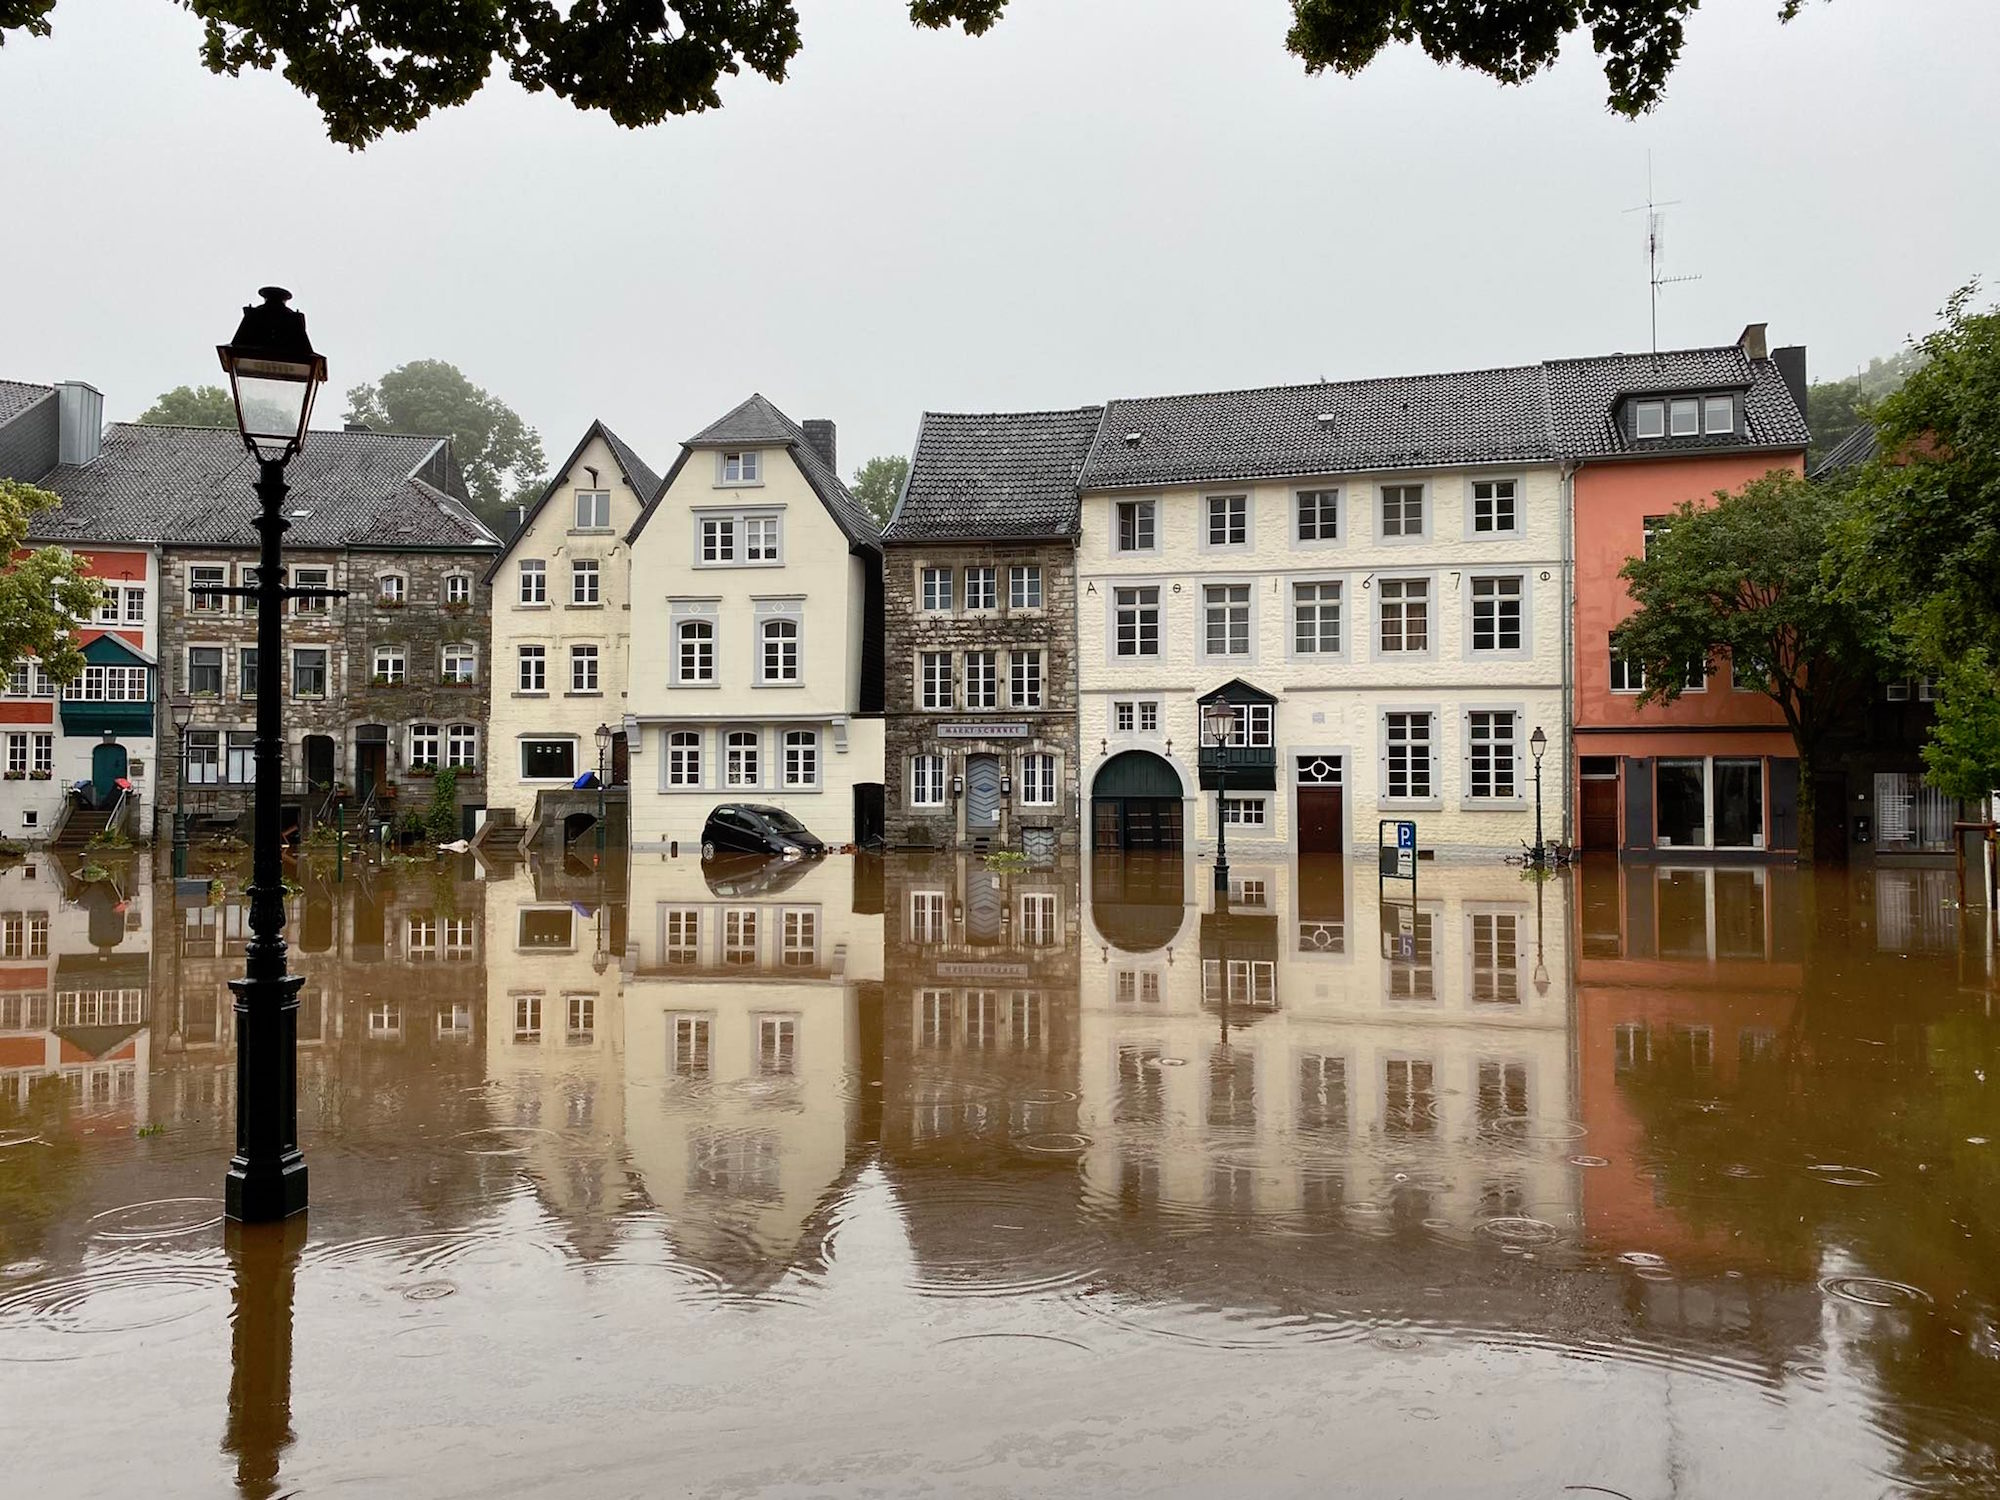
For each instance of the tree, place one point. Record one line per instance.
(386, 66)
(490, 442)
(1752, 577)
(42, 592)
(192, 406)
(878, 484)
(1962, 755)
(1834, 408)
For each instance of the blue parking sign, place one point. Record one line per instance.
(1406, 835)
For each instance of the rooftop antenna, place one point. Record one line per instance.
(1655, 220)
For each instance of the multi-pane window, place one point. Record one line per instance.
(583, 581)
(1684, 417)
(204, 671)
(1246, 811)
(457, 589)
(691, 1046)
(694, 657)
(760, 539)
(742, 468)
(390, 668)
(937, 589)
(534, 676)
(981, 588)
(204, 581)
(934, 679)
(1149, 716)
(1038, 780)
(1496, 614)
(1694, 676)
(1407, 755)
(1316, 619)
(1655, 528)
(739, 937)
(982, 674)
(1322, 1092)
(1024, 586)
(461, 751)
(582, 1017)
(1496, 958)
(240, 758)
(1137, 621)
(1122, 718)
(527, 1018)
(392, 591)
(1137, 522)
(1226, 614)
(718, 539)
(583, 669)
(1490, 753)
(777, 1045)
(1492, 506)
(17, 754)
(1718, 414)
(593, 510)
(739, 763)
(45, 764)
(1025, 687)
(681, 938)
(1627, 675)
(548, 760)
(1253, 725)
(1318, 515)
(309, 672)
(801, 757)
(799, 940)
(204, 757)
(778, 654)
(1406, 614)
(106, 684)
(460, 663)
(1228, 520)
(926, 781)
(534, 581)
(1038, 919)
(1402, 510)
(424, 743)
(684, 757)
(1409, 1090)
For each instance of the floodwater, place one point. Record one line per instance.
(915, 1177)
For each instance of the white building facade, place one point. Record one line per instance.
(756, 618)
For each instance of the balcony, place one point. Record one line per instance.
(1250, 768)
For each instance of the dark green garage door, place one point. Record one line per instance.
(1135, 803)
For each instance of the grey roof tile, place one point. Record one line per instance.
(1419, 421)
(192, 486)
(1584, 395)
(1850, 452)
(16, 396)
(995, 475)
(645, 484)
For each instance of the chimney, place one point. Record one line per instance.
(819, 432)
(79, 422)
(1752, 341)
(1791, 363)
(356, 427)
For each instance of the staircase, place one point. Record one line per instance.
(82, 825)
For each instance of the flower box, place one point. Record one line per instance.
(17, 775)
(41, 775)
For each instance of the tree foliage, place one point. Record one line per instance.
(878, 484)
(1962, 755)
(192, 406)
(489, 440)
(1752, 577)
(385, 66)
(1834, 408)
(42, 592)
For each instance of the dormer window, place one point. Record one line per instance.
(742, 468)
(1718, 414)
(1684, 417)
(1649, 419)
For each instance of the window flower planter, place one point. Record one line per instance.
(41, 775)
(17, 775)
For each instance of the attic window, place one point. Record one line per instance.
(1327, 418)
(1649, 419)
(742, 468)
(1132, 439)
(299, 515)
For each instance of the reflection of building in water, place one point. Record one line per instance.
(1687, 978)
(743, 1012)
(555, 1034)
(76, 991)
(1308, 1045)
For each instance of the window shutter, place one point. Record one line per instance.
(1520, 764)
(1464, 752)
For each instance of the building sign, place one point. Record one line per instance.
(982, 971)
(978, 731)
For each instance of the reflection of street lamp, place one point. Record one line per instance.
(1218, 728)
(1538, 742)
(1541, 974)
(273, 375)
(603, 750)
(181, 712)
(601, 959)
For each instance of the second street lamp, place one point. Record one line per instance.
(1218, 728)
(1538, 742)
(274, 374)
(603, 752)
(181, 713)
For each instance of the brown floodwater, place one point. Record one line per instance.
(910, 1176)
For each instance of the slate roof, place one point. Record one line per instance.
(1419, 421)
(192, 486)
(1583, 397)
(645, 484)
(1850, 452)
(994, 475)
(757, 422)
(17, 396)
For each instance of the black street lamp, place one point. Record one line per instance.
(273, 376)
(181, 713)
(603, 754)
(1538, 742)
(1218, 728)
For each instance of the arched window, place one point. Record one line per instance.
(457, 590)
(392, 590)
(461, 663)
(781, 650)
(462, 747)
(423, 746)
(696, 653)
(740, 758)
(684, 757)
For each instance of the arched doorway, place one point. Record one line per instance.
(108, 764)
(1135, 803)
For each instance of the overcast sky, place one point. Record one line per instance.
(1119, 198)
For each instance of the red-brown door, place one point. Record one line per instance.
(621, 759)
(1319, 820)
(1600, 812)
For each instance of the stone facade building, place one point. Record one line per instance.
(979, 588)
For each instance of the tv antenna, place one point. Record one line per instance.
(1655, 222)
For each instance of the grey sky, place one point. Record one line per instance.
(1121, 198)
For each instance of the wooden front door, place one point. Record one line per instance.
(1320, 823)
(621, 759)
(107, 766)
(1600, 812)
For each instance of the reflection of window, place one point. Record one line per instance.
(582, 1017)
(1503, 1091)
(1142, 1093)
(1024, 1018)
(777, 1045)
(1232, 1086)
(927, 923)
(1415, 977)
(527, 1018)
(739, 936)
(1038, 919)
(691, 1049)
(1407, 1096)
(681, 942)
(934, 1018)
(1322, 1092)
(547, 928)
(801, 940)
(1495, 958)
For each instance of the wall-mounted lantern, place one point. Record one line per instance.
(958, 786)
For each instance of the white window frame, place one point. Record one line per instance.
(1524, 643)
(1430, 599)
(531, 673)
(1633, 673)
(203, 580)
(681, 765)
(1432, 794)
(426, 745)
(1516, 768)
(533, 574)
(1245, 812)
(1684, 410)
(697, 631)
(739, 468)
(1710, 406)
(585, 661)
(455, 583)
(742, 759)
(458, 652)
(1229, 605)
(392, 667)
(581, 568)
(982, 589)
(1145, 520)
(935, 677)
(786, 634)
(312, 577)
(392, 590)
(461, 747)
(1492, 499)
(936, 588)
(801, 763)
(1124, 716)
(599, 502)
(1027, 682)
(982, 680)
(1649, 420)
(1319, 539)
(1140, 607)
(1294, 650)
(926, 784)
(1038, 779)
(1024, 586)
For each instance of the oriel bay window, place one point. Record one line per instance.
(982, 674)
(1496, 613)
(1407, 756)
(1025, 689)
(1136, 621)
(1492, 755)
(1226, 614)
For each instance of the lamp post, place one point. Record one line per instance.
(1538, 742)
(603, 754)
(1218, 728)
(181, 713)
(273, 377)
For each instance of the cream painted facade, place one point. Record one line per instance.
(746, 670)
(1335, 1079)
(1333, 707)
(541, 602)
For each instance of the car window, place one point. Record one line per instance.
(784, 821)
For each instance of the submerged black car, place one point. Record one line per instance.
(748, 828)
